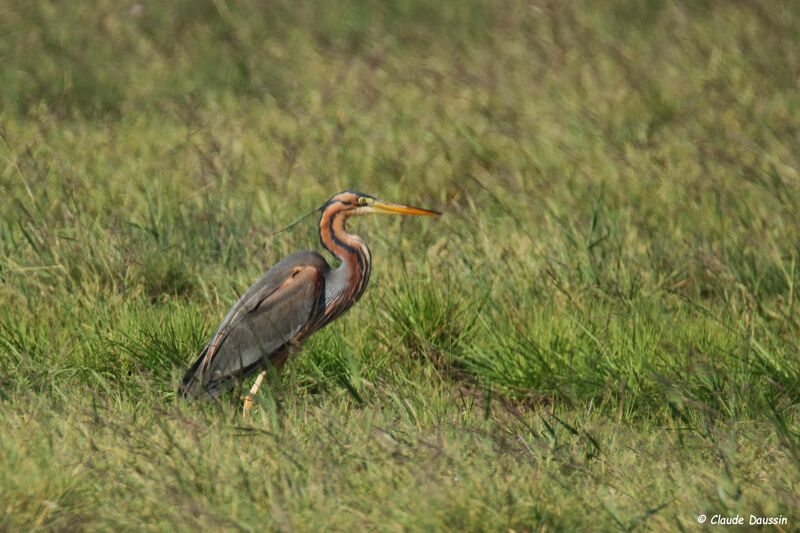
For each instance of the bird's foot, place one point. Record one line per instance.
(247, 405)
(248, 398)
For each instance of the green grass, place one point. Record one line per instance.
(601, 333)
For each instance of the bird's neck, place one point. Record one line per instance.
(349, 249)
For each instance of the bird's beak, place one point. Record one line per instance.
(398, 209)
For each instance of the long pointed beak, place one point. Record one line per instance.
(398, 209)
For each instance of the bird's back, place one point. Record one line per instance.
(260, 326)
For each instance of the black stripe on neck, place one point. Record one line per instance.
(352, 250)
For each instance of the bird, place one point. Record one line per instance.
(298, 296)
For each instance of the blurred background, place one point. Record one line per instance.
(615, 277)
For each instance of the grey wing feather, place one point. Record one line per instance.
(264, 320)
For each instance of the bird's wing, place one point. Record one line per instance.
(264, 320)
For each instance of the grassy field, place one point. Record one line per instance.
(602, 332)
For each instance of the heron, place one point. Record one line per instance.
(298, 296)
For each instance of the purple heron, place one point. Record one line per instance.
(298, 296)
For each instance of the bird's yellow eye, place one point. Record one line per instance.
(363, 200)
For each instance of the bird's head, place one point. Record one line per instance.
(352, 203)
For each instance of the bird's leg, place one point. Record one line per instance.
(248, 399)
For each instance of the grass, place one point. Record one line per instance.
(601, 333)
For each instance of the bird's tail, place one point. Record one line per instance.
(192, 385)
